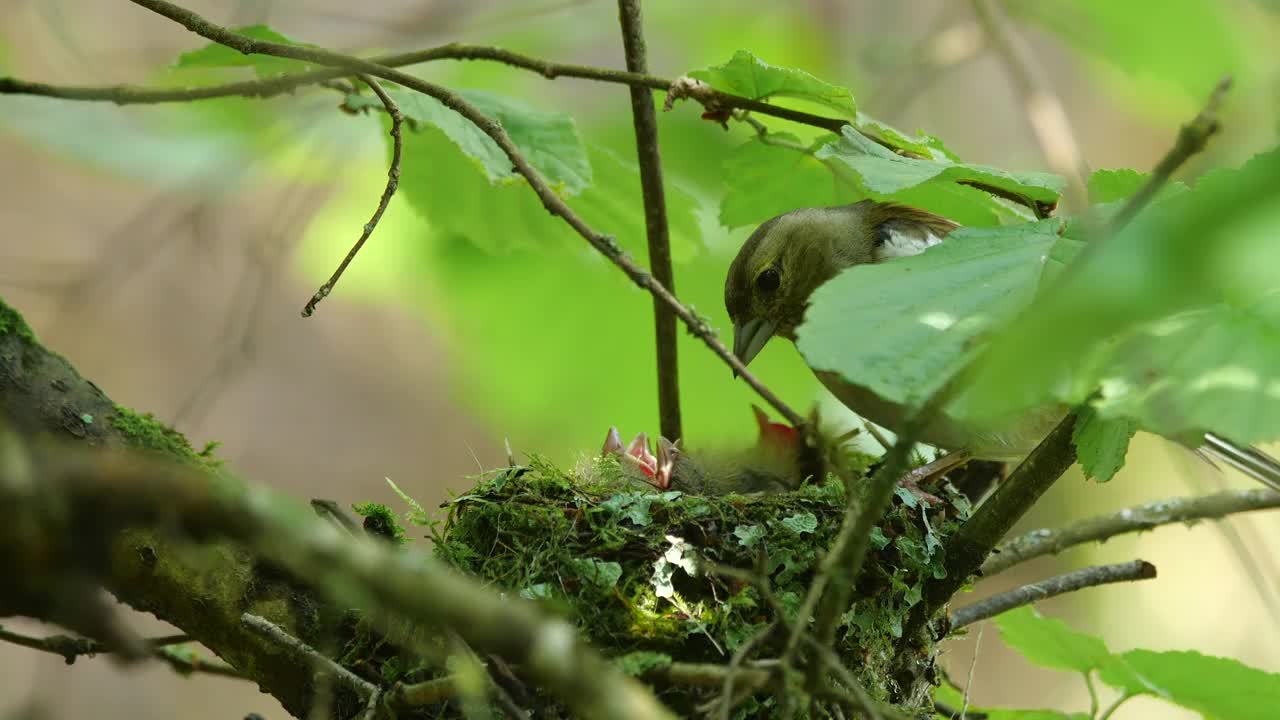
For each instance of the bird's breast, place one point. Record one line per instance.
(1006, 441)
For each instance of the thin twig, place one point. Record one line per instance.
(393, 182)
(1106, 714)
(655, 219)
(70, 647)
(862, 700)
(1146, 516)
(709, 98)
(727, 698)
(1044, 109)
(1059, 585)
(324, 664)
(1192, 139)
(330, 510)
(606, 245)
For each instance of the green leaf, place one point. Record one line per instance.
(602, 575)
(216, 55)
(1215, 686)
(748, 535)
(927, 311)
(1048, 642)
(923, 145)
(455, 193)
(548, 140)
(1117, 320)
(878, 539)
(1101, 443)
(749, 76)
(1111, 185)
(770, 175)
(800, 523)
(1212, 368)
(884, 172)
(640, 662)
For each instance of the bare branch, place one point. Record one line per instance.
(393, 182)
(320, 661)
(70, 647)
(1059, 585)
(655, 219)
(606, 245)
(1146, 516)
(708, 97)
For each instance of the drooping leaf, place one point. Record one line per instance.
(926, 312)
(1101, 443)
(1048, 642)
(548, 140)
(1215, 686)
(749, 76)
(456, 195)
(884, 172)
(215, 55)
(770, 175)
(1113, 186)
(1212, 247)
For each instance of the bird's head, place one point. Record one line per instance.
(789, 256)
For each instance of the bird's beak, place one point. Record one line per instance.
(749, 338)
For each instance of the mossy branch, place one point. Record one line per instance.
(58, 504)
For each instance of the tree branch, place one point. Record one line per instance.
(70, 647)
(393, 182)
(66, 500)
(655, 219)
(969, 547)
(606, 245)
(1059, 585)
(1134, 519)
(320, 662)
(708, 97)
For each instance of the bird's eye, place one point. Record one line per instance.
(768, 280)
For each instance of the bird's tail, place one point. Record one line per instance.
(1248, 460)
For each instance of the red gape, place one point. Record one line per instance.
(657, 468)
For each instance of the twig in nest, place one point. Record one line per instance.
(323, 664)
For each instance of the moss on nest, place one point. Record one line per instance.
(619, 559)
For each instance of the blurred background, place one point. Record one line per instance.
(167, 251)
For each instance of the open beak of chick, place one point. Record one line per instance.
(749, 338)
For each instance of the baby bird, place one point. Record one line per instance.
(770, 281)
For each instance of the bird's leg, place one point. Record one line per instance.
(932, 471)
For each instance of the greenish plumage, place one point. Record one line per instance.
(788, 257)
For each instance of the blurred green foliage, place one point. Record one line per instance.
(1214, 686)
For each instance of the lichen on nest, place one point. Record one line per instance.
(622, 561)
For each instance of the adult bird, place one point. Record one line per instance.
(770, 281)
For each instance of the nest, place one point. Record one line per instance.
(634, 567)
